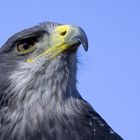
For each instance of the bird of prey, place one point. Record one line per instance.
(38, 95)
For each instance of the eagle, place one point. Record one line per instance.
(39, 99)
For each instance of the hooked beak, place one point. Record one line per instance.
(73, 35)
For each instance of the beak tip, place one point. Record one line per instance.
(85, 46)
(83, 38)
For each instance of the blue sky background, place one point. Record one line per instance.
(109, 73)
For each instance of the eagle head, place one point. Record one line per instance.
(39, 64)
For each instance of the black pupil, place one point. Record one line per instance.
(26, 46)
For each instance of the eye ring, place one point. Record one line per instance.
(25, 47)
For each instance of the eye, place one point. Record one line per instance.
(25, 46)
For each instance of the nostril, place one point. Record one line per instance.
(63, 33)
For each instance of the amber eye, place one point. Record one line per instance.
(25, 46)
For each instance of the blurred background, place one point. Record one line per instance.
(109, 73)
